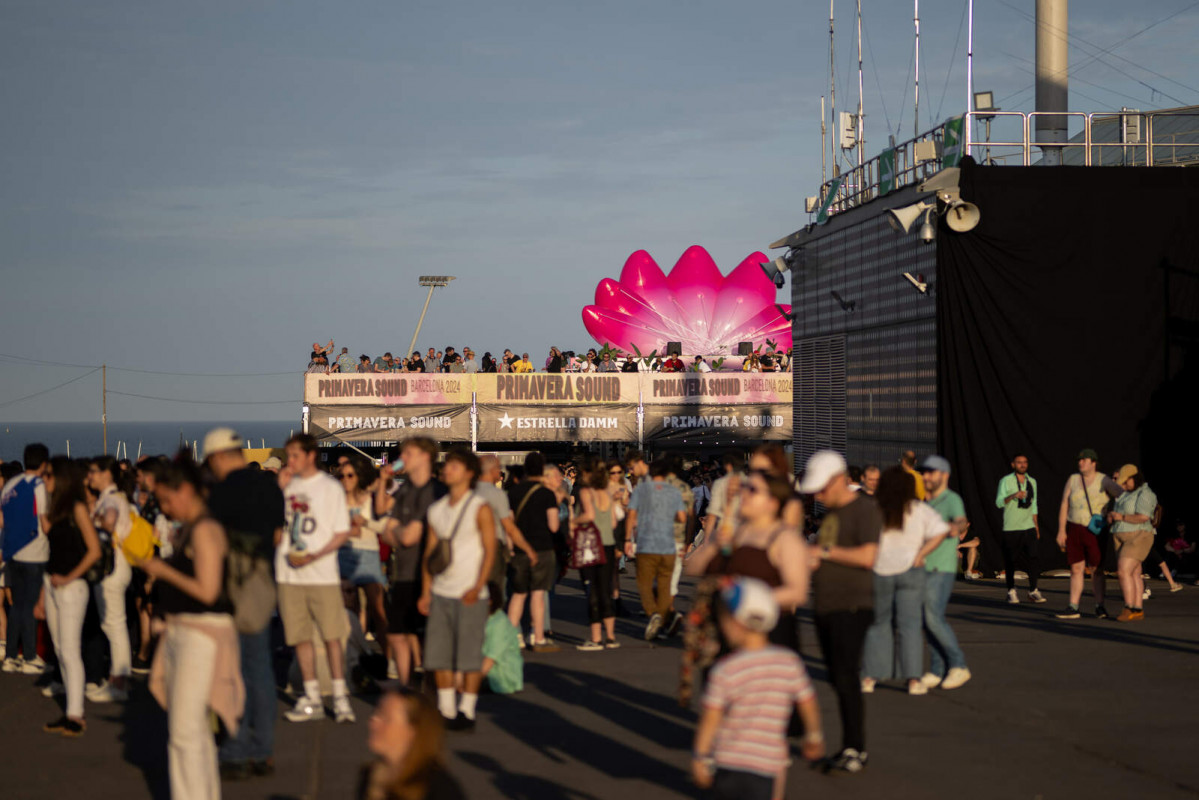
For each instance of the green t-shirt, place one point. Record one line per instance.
(950, 506)
(1016, 518)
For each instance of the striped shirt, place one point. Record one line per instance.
(756, 690)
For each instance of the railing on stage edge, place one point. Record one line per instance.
(1155, 143)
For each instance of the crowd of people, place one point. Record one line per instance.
(323, 360)
(436, 570)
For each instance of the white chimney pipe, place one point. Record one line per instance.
(1053, 64)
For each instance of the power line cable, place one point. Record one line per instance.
(1080, 80)
(41, 362)
(877, 82)
(51, 389)
(952, 61)
(1109, 50)
(293, 401)
(1077, 41)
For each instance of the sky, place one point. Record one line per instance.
(209, 188)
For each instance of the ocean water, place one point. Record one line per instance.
(154, 438)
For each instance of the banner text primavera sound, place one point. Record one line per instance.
(540, 388)
(547, 407)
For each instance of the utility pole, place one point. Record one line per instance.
(104, 403)
(432, 281)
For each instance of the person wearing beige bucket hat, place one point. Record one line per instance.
(1131, 519)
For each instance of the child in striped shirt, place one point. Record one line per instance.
(741, 749)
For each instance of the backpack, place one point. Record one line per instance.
(19, 506)
(249, 581)
(141, 541)
(1156, 519)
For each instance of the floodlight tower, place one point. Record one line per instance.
(432, 281)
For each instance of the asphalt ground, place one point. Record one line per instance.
(1056, 709)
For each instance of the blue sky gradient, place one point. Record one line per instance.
(211, 187)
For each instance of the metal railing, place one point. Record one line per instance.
(1102, 134)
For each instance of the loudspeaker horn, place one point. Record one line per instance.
(902, 219)
(962, 216)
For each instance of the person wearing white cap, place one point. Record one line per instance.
(741, 750)
(843, 592)
(249, 505)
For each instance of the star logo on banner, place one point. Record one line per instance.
(505, 421)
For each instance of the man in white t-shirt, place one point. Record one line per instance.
(456, 599)
(26, 551)
(318, 523)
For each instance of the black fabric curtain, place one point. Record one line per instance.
(1067, 319)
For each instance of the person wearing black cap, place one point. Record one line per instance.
(1080, 521)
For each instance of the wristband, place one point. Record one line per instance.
(814, 737)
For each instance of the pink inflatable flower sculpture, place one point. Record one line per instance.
(707, 312)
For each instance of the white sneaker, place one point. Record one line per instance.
(12, 665)
(1012, 599)
(930, 680)
(53, 689)
(393, 672)
(342, 710)
(917, 688)
(1035, 596)
(107, 693)
(868, 685)
(34, 667)
(1145, 595)
(955, 678)
(520, 637)
(305, 710)
(653, 626)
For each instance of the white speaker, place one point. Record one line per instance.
(902, 219)
(962, 216)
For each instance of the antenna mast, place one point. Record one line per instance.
(916, 121)
(832, 82)
(823, 155)
(861, 128)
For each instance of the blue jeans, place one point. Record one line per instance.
(898, 602)
(25, 581)
(944, 652)
(255, 740)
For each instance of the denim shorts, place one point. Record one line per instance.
(360, 567)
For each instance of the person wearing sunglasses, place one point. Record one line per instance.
(358, 559)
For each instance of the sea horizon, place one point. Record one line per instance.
(86, 438)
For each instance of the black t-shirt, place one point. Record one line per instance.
(555, 364)
(628, 366)
(836, 587)
(532, 520)
(412, 504)
(249, 505)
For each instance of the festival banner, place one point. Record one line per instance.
(718, 424)
(716, 388)
(443, 423)
(545, 388)
(557, 423)
(389, 389)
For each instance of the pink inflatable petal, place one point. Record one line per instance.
(695, 305)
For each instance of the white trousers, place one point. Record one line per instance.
(66, 607)
(110, 603)
(678, 571)
(189, 658)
